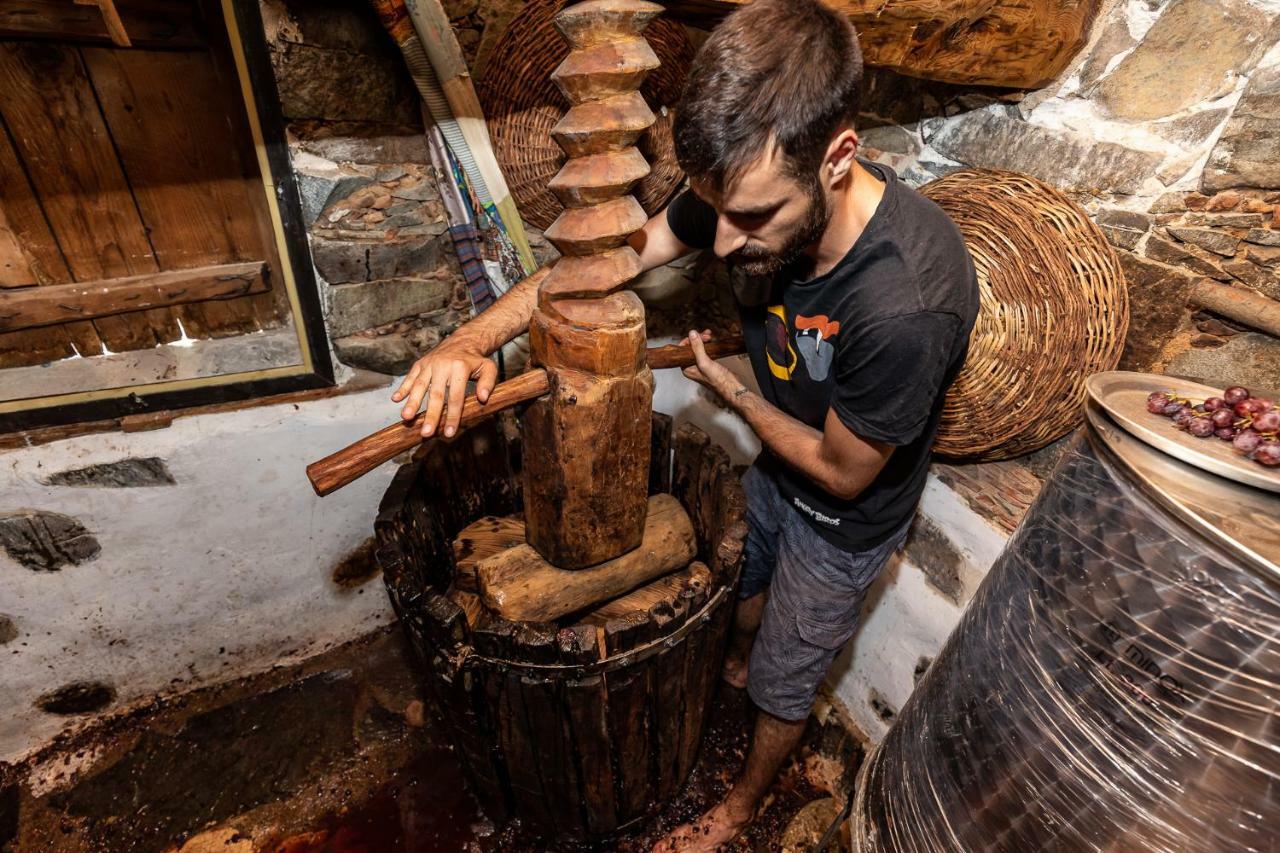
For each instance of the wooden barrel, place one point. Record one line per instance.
(576, 729)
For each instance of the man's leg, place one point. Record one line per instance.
(812, 611)
(772, 741)
(746, 622)
(760, 555)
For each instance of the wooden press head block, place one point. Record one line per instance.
(592, 230)
(586, 466)
(596, 21)
(597, 178)
(604, 70)
(601, 336)
(595, 127)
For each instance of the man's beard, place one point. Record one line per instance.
(762, 262)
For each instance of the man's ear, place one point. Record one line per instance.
(840, 155)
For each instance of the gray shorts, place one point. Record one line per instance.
(816, 592)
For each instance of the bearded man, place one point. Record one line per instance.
(857, 298)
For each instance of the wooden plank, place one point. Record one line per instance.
(15, 266)
(547, 727)
(472, 606)
(28, 307)
(49, 105)
(630, 719)
(1015, 43)
(521, 755)
(481, 539)
(660, 454)
(588, 732)
(663, 589)
(44, 259)
(149, 23)
(520, 584)
(669, 710)
(192, 185)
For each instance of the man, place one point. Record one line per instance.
(857, 298)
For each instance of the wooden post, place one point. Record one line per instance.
(587, 443)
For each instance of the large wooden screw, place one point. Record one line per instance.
(587, 443)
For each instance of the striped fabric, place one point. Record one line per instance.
(466, 241)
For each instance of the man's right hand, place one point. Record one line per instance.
(440, 378)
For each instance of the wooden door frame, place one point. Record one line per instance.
(258, 85)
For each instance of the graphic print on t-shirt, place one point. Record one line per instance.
(812, 339)
(777, 343)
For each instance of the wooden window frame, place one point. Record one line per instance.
(262, 101)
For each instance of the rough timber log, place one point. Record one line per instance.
(518, 584)
(587, 442)
(1021, 44)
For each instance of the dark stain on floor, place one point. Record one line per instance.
(426, 808)
(341, 756)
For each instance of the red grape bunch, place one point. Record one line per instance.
(1251, 424)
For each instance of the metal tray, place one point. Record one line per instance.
(1123, 396)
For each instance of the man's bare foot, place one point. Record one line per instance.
(735, 672)
(705, 835)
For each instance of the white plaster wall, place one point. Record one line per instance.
(221, 575)
(906, 619)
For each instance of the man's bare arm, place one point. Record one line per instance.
(656, 243)
(440, 377)
(835, 458)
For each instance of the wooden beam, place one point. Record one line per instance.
(27, 307)
(1012, 43)
(519, 584)
(111, 18)
(149, 23)
(336, 470)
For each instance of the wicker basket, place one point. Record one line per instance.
(1054, 311)
(521, 105)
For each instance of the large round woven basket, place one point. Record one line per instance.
(1054, 311)
(521, 105)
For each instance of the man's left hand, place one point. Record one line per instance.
(707, 371)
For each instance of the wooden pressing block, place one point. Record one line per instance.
(481, 539)
(667, 589)
(520, 585)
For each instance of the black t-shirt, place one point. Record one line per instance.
(878, 339)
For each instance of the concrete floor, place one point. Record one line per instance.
(339, 754)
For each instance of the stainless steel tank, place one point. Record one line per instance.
(1114, 683)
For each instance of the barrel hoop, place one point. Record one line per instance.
(617, 661)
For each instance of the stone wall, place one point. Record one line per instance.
(379, 236)
(1166, 128)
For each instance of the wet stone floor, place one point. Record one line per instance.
(340, 756)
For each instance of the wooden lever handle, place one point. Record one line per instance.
(354, 461)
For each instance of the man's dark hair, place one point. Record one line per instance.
(784, 69)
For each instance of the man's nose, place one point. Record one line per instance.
(728, 239)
